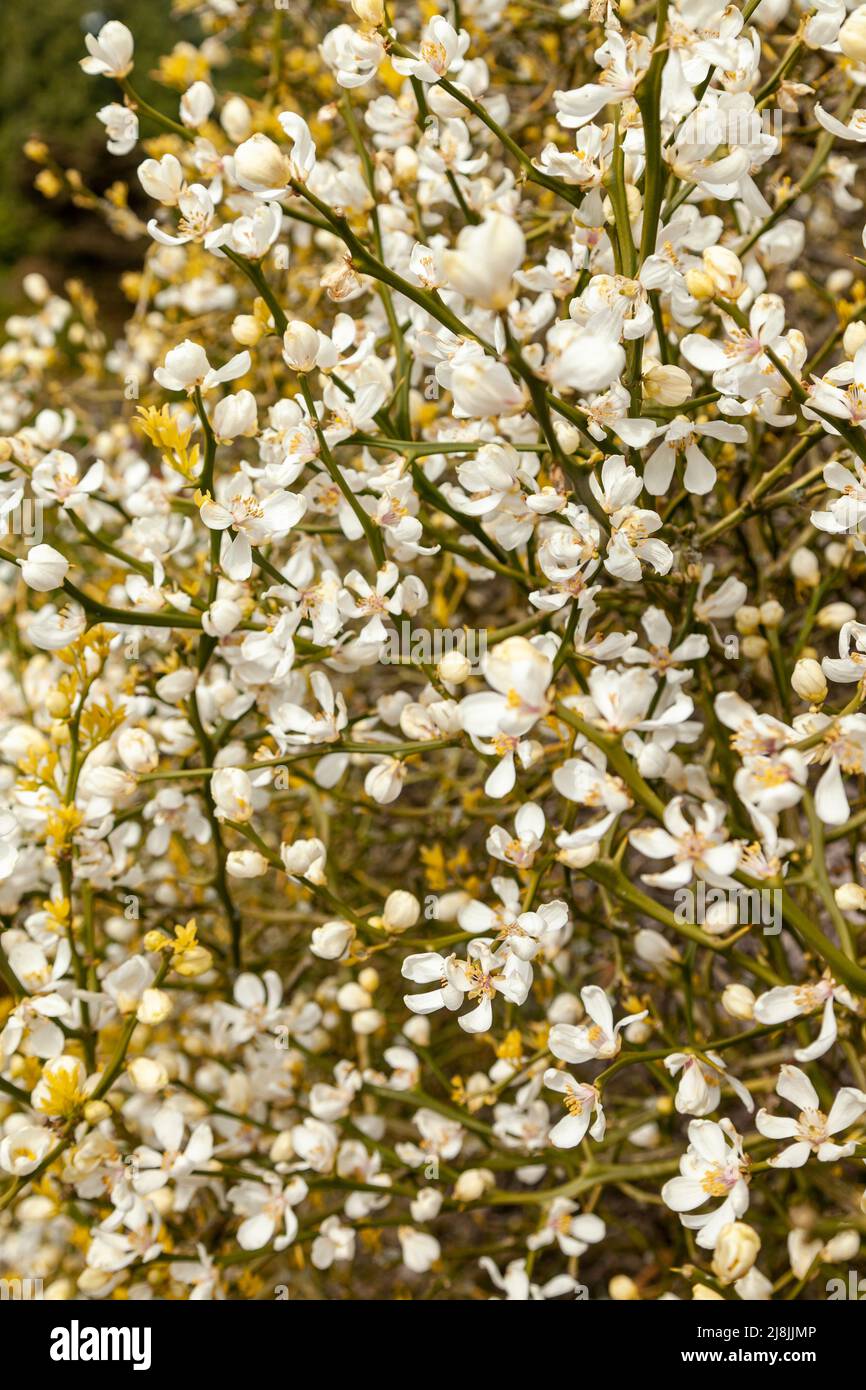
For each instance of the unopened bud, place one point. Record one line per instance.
(833, 616)
(808, 681)
(850, 897)
(852, 35)
(854, 337)
(739, 1002)
(747, 619)
(804, 566)
(667, 385)
(454, 668)
(772, 613)
(699, 284)
(736, 1251)
(622, 1289)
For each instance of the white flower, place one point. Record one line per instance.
(187, 369)
(699, 849)
(796, 1001)
(713, 1166)
(581, 1101)
(600, 1038)
(23, 1150)
(232, 793)
(701, 1081)
(110, 52)
(482, 267)
(812, 1131)
(121, 126)
(440, 52)
(43, 568)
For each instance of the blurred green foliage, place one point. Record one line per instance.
(44, 93)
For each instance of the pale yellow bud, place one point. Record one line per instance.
(854, 337)
(699, 284)
(455, 667)
(623, 1289)
(852, 35)
(772, 613)
(147, 1075)
(473, 1184)
(95, 1111)
(282, 1148)
(57, 704)
(736, 1251)
(725, 271)
(667, 385)
(808, 681)
(702, 1293)
(369, 979)
(246, 330)
(850, 897)
(754, 648)
(805, 567)
(402, 910)
(739, 1002)
(834, 615)
(154, 1008)
(371, 12)
(747, 619)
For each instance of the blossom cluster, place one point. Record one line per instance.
(332, 966)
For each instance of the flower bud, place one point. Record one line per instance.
(369, 979)
(699, 284)
(472, 1184)
(260, 164)
(401, 911)
(137, 750)
(454, 668)
(95, 1111)
(739, 1002)
(330, 940)
(850, 897)
(232, 792)
(736, 1251)
(235, 119)
(300, 346)
(155, 1007)
(808, 681)
(804, 567)
(370, 12)
(43, 568)
(246, 330)
(352, 997)
(667, 385)
(623, 1289)
(282, 1148)
(772, 613)
(147, 1075)
(747, 619)
(703, 1293)
(854, 336)
(725, 270)
(844, 1246)
(367, 1021)
(754, 648)
(852, 35)
(246, 863)
(833, 616)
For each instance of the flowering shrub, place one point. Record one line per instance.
(432, 747)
